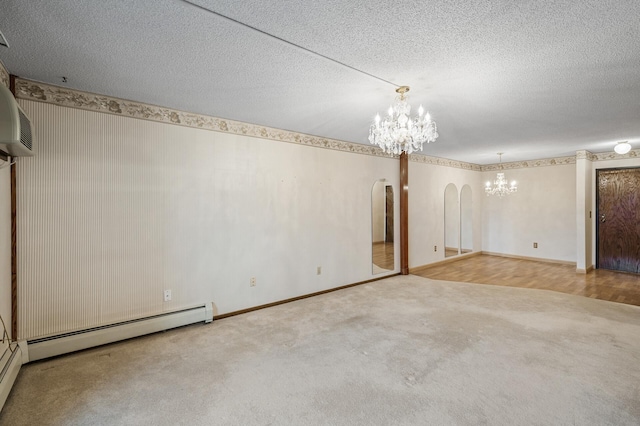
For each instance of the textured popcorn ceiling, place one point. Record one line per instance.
(532, 79)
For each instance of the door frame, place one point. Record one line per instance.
(597, 209)
(386, 213)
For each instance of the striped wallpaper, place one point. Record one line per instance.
(91, 208)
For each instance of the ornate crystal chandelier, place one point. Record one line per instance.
(501, 186)
(398, 132)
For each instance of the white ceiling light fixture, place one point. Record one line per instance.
(622, 147)
(500, 186)
(398, 132)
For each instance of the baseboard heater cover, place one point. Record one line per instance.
(11, 363)
(33, 350)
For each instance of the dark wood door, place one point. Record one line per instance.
(618, 216)
(389, 214)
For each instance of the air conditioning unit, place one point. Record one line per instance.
(16, 131)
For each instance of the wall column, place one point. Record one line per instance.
(584, 214)
(404, 213)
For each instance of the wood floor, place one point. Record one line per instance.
(484, 269)
(383, 255)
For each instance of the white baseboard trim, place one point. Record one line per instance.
(70, 342)
(9, 367)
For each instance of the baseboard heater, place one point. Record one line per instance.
(33, 350)
(10, 364)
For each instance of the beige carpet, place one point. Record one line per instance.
(401, 351)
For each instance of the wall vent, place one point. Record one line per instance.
(16, 131)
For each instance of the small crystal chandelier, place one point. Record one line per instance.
(398, 132)
(501, 187)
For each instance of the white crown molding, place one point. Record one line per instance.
(4, 75)
(558, 161)
(41, 92)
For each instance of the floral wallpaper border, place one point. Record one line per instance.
(635, 153)
(585, 155)
(559, 161)
(425, 159)
(42, 92)
(35, 91)
(4, 75)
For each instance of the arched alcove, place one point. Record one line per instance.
(466, 219)
(382, 227)
(451, 221)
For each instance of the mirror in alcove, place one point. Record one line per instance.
(451, 221)
(382, 256)
(466, 222)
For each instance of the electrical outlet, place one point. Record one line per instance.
(167, 295)
(252, 282)
(319, 270)
(535, 245)
(435, 248)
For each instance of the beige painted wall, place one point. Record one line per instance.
(543, 211)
